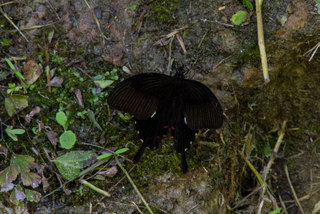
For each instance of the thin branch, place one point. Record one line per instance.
(292, 189)
(262, 47)
(134, 186)
(270, 163)
(97, 189)
(11, 22)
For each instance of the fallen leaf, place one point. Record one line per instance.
(53, 137)
(181, 43)
(17, 195)
(70, 164)
(15, 102)
(34, 111)
(30, 179)
(32, 72)
(163, 41)
(44, 180)
(79, 97)
(55, 82)
(110, 172)
(103, 83)
(32, 195)
(22, 163)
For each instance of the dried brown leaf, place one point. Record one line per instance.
(34, 111)
(32, 72)
(79, 98)
(53, 137)
(110, 172)
(55, 82)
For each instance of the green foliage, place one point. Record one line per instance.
(238, 17)
(67, 139)
(14, 69)
(12, 133)
(93, 119)
(276, 211)
(106, 155)
(247, 4)
(162, 11)
(5, 42)
(82, 114)
(56, 58)
(317, 5)
(133, 7)
(70, 164)
(20, 165)
(13, 88)
(61, 118)
(15, 102)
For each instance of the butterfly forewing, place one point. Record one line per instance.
(139, 95)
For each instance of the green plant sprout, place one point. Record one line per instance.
(68, 138)
(12, 133)
(13, 88)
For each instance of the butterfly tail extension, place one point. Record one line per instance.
(184, 165)
(139, 154)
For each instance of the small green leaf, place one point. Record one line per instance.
(106, 155)
(13, 68)
(32, 195)
(69, 164)
(120, 151)
(133, 7)
(67, 139)
(267, 151)
(61, 118)
(103, 83)
(238, 17)
(247, 4)
(5, 42)
(276, 211)
(93, 120)
(17, 131)
(12, 132)
(283, 20)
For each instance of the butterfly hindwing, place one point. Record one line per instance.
(202, 108)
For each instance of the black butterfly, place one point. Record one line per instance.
(161, 103)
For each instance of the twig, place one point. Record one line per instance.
(7, 3)
(134, 186)
(136, 206)
(292, 189)
(238, 203)
(84, 172)
(271, 160)
(313, 50)
(174, 32)
(11, 22)
(262, 47)
(97, 21)
(191, 208)
(91, 186)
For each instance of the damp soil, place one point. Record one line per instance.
(223, 56)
